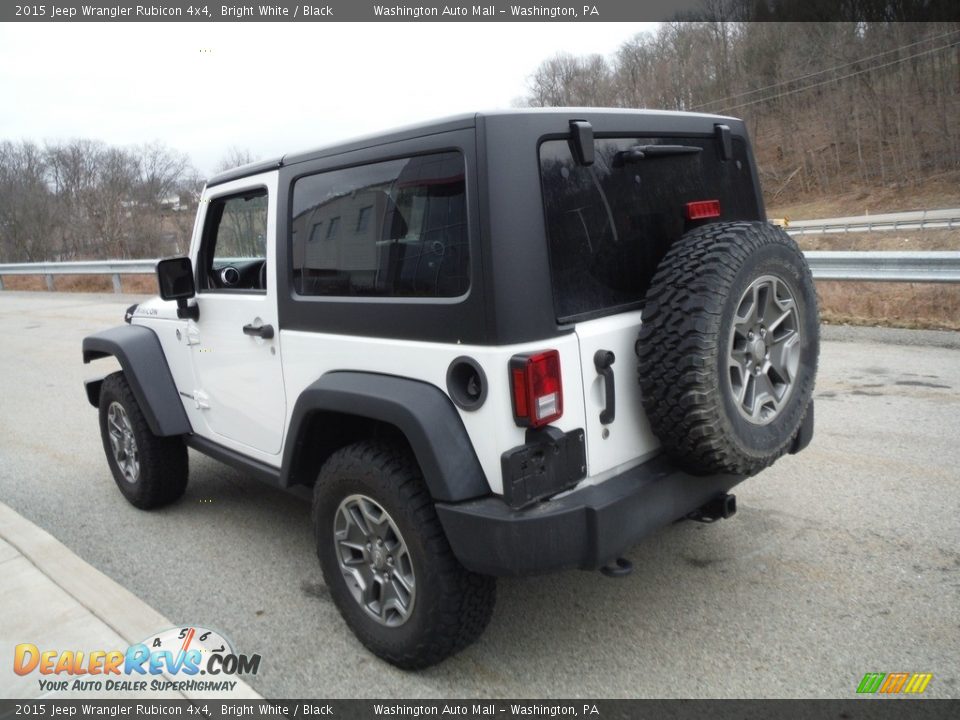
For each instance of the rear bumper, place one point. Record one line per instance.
(584, 529)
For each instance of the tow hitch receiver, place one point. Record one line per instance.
(621, 567)
(720, 508)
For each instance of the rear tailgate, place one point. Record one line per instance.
(626, 437)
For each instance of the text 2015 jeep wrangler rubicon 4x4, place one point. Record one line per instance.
(496, 344)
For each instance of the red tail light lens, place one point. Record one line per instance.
(536, 386)
(703, 209)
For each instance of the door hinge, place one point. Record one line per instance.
(201, 399)
(193, 333)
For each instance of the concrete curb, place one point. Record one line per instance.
(115, 606)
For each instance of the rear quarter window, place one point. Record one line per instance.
(610, 224)
(388, 229)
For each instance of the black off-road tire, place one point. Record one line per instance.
(452, 606)
(163, 464)
(688, 318)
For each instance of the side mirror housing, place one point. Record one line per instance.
(175, 279)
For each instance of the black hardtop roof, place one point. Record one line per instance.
(455, 122)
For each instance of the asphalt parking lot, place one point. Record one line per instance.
(842, 560)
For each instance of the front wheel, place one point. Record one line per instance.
(387, 563)
(150, 471)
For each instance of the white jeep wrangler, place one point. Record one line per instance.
(440, 331)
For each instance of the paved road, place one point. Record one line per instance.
(842, 560)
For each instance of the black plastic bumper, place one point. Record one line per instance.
(584, 529)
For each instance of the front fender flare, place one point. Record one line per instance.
(144, 365)
(422, 412)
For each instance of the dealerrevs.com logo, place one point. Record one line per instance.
(179, 659)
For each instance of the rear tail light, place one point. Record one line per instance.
(703, 209)
(536, 387)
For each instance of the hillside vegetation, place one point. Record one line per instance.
(845, 118)
(835, 110)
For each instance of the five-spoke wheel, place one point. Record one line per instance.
(150, 470)
(386, 560)
(728, 348)
(122, 442)
(374, 560)
(764, 349)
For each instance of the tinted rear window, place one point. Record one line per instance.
(608, 226)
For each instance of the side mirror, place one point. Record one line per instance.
(175, 278)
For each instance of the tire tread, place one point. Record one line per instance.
(467, 599)
(164, 465)
(679, 343)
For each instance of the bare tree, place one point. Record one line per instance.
(161, 171)
(827, 103)
(28, 213)
(84, 199)
(565, 80)
(235, 157)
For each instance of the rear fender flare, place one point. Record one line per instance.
(420, 411)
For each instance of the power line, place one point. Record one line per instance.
(837, 79)
(821, 72)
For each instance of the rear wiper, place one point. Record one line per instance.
(641, 152)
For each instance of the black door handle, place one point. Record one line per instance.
(602, 360)
(263, 331)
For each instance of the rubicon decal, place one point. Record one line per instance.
(894, 683)
(169, 660)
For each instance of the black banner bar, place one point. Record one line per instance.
(497, 11)
(854, 709)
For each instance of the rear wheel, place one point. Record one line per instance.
(150, 471)
(387, 563)
(728, 347)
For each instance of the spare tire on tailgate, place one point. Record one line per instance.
(728, 347)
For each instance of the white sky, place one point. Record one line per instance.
(269, 87)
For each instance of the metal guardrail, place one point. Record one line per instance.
(116, 268)
(890, 266)
(919, 220)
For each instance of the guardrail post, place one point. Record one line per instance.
(116, 283)
(1, 282)
(50, 287)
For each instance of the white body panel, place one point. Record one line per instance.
(239, 377)
(491, 428)
(171, 332)
(628, 440)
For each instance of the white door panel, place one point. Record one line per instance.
(238, 378)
